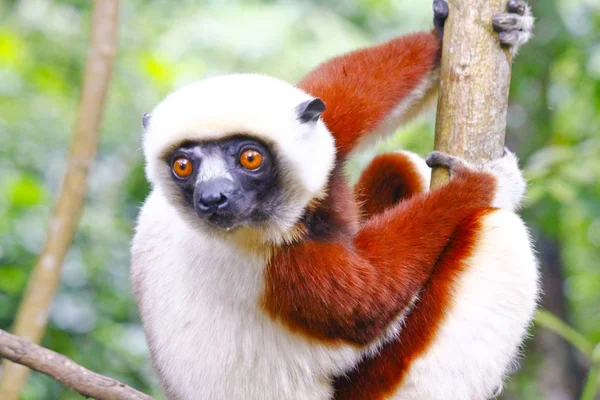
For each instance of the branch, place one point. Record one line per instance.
(64, 370)
(475, 78)
(551, 322)
(32, 315)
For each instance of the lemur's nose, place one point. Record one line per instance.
(212, 201)
(213, 196)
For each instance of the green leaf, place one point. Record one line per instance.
(12, 279)
(24, 191)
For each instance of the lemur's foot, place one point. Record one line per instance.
(510, 187)
(514, 27)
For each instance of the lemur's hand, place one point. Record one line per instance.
(514, 27)
(510, 186)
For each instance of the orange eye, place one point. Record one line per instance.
(182, 167)
(251, 159)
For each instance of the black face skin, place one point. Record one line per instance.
(232, 194)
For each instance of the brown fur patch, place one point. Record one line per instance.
(377, 378)
(387, 180)
(361, 88)
(351, 287)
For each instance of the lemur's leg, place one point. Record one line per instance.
(465, 329)
(389, 179)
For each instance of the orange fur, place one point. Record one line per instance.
(388, 179)
(351, 287)
(377, 377)
(361, 88)
(347, 281)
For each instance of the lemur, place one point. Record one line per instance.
(260, 273)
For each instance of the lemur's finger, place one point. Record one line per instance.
(514, 38)
(440, 14)
(517, 7)
(509, 22)
(504, 22)
(439, 159)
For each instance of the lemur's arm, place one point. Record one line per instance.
(352, 287)
(373, 90)
(349, 286)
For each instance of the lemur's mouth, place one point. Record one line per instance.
(224, 221)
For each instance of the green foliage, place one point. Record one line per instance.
(553, 124)
(591, 352)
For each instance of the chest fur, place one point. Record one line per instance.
(199, 301)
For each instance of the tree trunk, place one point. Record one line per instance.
(32, 316)
(475, 79)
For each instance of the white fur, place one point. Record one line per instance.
(510, 183)
(213, 167)
(209, 339)
(481, 334)
(510, 186)
(519, 28)
(252, 104)
(199, 300)
(199, 294)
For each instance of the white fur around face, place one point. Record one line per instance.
(256, 105)
(199, 301)
(494, 302)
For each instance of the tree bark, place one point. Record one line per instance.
(33, 311)
(64, 370)
(475, 79)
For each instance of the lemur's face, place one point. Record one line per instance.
(227, 182)
(239, 156)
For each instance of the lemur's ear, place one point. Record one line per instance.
(146, 120)
(310, 110)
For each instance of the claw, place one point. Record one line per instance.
(517, 7)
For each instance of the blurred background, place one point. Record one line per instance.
(554, 125)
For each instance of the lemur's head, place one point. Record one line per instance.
(239, 151)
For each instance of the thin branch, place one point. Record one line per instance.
(549, 321)
(33, 312)
(64, 370)
(592, 382)
(475, 78)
